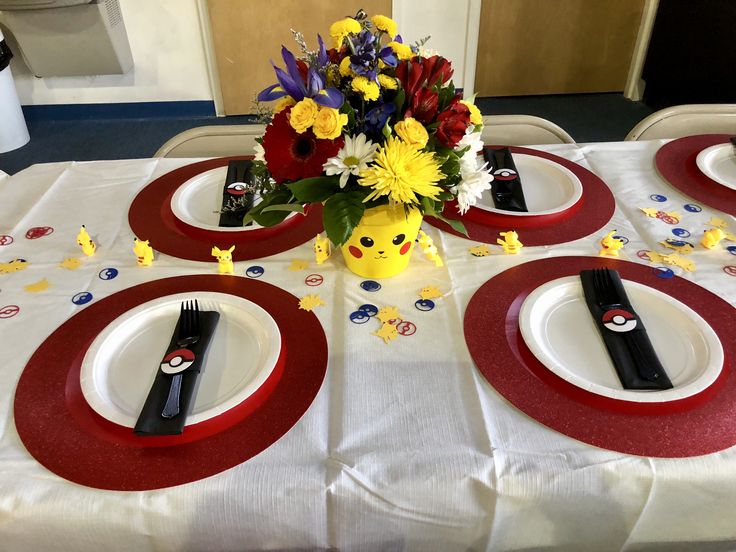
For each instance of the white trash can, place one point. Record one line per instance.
(13, 129)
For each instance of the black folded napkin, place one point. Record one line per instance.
(150, 421)
(623, 332)
(238, 179)
(506, 190)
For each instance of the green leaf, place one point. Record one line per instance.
(280, 196)
(312, 190)
(288, 207)
(399, 100)
(386, 130)
(451, 164)
(341, 215)
(454, 224)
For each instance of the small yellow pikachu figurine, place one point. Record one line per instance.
(85, 242)
(224, 259)
(610, 245)
(712, 237)
(143, 252)
(510, 242)
(322, 249)
(429, 248)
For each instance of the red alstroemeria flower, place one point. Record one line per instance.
(420, 72)
(424, 106)
(454, 122)
(291, 156)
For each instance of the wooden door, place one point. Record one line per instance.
(247, 34)
(555, 46)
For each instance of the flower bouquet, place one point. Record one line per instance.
(374, 131)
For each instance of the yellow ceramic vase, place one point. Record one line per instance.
(381, 244)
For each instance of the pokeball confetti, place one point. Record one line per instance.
(310, 302)
(664, 216)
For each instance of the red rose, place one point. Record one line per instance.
(454, 122)
(291, 156)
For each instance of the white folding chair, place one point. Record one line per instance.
(3, 174)
(213, 141)
(686, 120)
(522, 130)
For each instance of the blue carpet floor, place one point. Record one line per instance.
(587, 118)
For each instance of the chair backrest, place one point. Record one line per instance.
(522, 130)
(686, 120)
(3, 174)
(213, 141)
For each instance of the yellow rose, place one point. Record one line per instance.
(385, 24)
(340, 29)
(367, 88)
(412, 132)
(329, 122)
(475, 115)
(402, 51)
(345, 70)
(389, 83)
(303, 114)
(283, 103)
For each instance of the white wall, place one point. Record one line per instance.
(166, 42)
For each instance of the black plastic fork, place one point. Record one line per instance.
(188, 335)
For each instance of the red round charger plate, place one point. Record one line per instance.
(693, 426)
(63, 433)
(675, 161)
(151, 218)
(594, 209)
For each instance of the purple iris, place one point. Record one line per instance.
(363, 58)
(292, 83)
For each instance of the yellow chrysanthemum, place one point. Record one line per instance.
(367, 88)
(475, 115)
(340, 29)
(385, 24)
(389, 83)
(345, 70)
(402, 172)
(402, 51)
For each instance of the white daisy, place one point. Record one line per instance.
(354, 156)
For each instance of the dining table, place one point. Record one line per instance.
(450, 434)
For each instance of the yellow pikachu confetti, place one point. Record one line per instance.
(681, 247)
(712, 237)
(41, 285)
(310, 302)
(718, 223)
(650, 211)
(388, 332)
(655, 257)
(322, 249)
(16, 265)
(388, 313)
(297, 265)
(430, 292)
(85, 242)
(675, 260)
(479, 251)
(70, 263)
(729, 236)
(429, 248)
(224, 259)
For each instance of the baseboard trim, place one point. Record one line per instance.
(132, 110)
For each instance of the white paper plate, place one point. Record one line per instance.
(119, 367)
(548, 187)
(199, 200)
(719, 163)
(558, 329)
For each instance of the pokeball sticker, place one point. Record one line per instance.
(254, 271)
(82, 298)
(236, 189)
(424, 305)
(406, 328)
(657, 197)
(108, 273)
(731, 249)
(505, 174)
(370, 310)
(38, 232)
(359, 317)
(729, 269)
(623, 239)
(6, 240)
(619, 320)
(314, 280)
(693, 208)
(663, 272)
(9, 311)
(643, 254)
(177, 361)
(370, 285)
(669, 219)
(681, 232)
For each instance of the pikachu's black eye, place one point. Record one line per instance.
(398, 240)
(365, 241)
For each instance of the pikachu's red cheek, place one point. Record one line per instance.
(405, 248)
(355, 252)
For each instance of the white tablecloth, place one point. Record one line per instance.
(406, 446)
